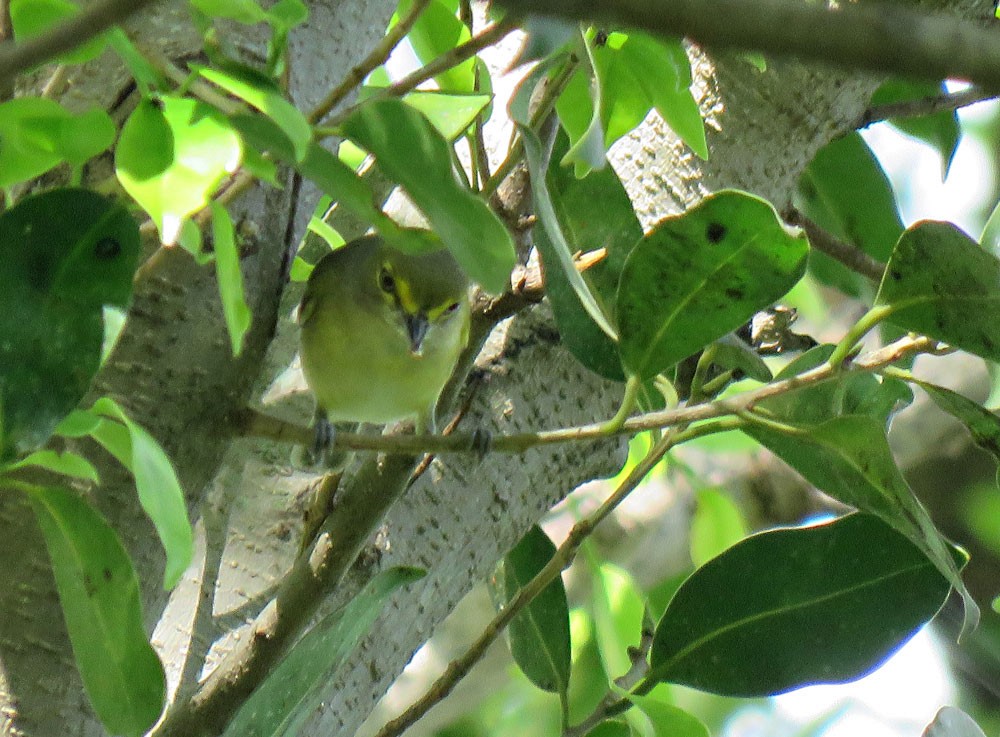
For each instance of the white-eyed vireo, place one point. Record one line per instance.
(381, 332)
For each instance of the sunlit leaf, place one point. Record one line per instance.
(65, 463)
(32, 18)
(229, 277)
(953, 722)
(160, 492)
(171, 156)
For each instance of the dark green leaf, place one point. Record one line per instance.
(953, 722)
(544, 37)
(850, 394)
(700, 275)
(731, 353)
(596, 215)
(99, 593)
(64, 255)
(939, 282)
(556, 251)
(160, 492)
(983, 425)
(172, 154)
(294, 689)
(845, 191)
(229, 277)
(849, 459)
(839, 599)
(940, 130)
(539, 634)
(411, 152)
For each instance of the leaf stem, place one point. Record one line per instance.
(859, 330)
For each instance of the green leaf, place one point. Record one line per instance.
(83, 136)
(661, 70)
(556, 250)
(939, 282)
(147, 77)
(172, 155)
(65, 463)
(32, 18)
(295, 688)
(952, 722)
(411, 152)
(732, 354)
(77, 424)
(544, 37)
(451, 113)
(611, 728)
(160, 492)
(717, 524)
(241, 11)
(668, 720)
(437, 31)
(618, 617)
(264, 96)
(596, 216)
(845, 191)
(983, 425)
(939, 130)
(578, 108)
(39, 134)
(99, 593)
(64, 255)
(839, 599)
(539, 634)
(701, 275)
(849, 394)
(849, 459)
(227, 273)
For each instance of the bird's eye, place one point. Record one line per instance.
(451, 309)
(386, 281)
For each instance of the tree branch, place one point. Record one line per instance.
(65, 37)
(880, 37)
(824, 241)
(924, 106)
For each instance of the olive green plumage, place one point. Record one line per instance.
(381, 332)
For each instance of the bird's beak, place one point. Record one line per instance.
(416, 329)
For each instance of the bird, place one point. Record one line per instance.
(381, 332)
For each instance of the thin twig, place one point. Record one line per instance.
(924, 106)
(254, 424)
(563, 557)
(849, 255)
(376, 58)
(446, 61)
(65, 37)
